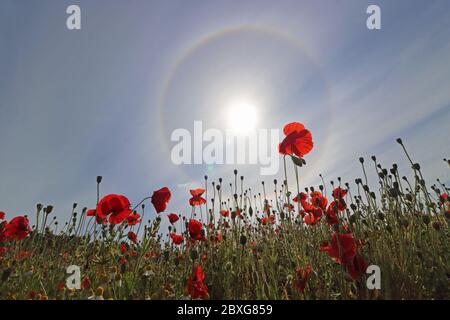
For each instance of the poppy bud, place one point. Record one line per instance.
(374, 158)
(353, 206)
(361, 159)
(206, 177)
(49, 209)
(416, 166)
(194, 254)
(399, 141)
(426, 219)
(437, 225)
(242, 177)
(243, 240)
(380, 215)
(235, 172)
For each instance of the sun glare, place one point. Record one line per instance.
(242, 116)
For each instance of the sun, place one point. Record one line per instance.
(242, 116)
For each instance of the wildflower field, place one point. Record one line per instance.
(268, 241)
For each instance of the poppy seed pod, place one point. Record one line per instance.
(243, 240)
(49, 209)
(399, 141)
(99, 179)
(361, 159)
(235, 171)
(374, 158)
(416, 166)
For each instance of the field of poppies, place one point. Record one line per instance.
(235, 242)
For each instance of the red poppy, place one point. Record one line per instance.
(319, 200)
(173, 218)
(196, 231)
(160, 199)
(197, 199)
(60, 286)
(85, 283)
(2, 215)
(195, 285)
(311, 219)
(301, 278)
(342, 248)
(224, 213)
(339, 193)
(23, 254)
(18, 228)
(133, 219)
(91, 213)
(177, 239)
(123, 248)
(289, 207)
(132, 236)
(269, 219)
(117, 207)
(357, 266)
(218, 237)
(300, 197)
(331, 214)
(298, 140)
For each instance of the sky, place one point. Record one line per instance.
(105, 99)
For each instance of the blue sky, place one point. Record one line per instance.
(103, 100)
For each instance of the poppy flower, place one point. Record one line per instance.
(61, 286)
(224, 213)
(132, 236)
(339, 193)
(197, 199)
(18, 228)
(2, 215)
(269, 219)
(85, 283)
(133, 219)
(91, 213)
(195, 285)
(177, 239)
(331, 214)
(117, 207)
(357, 266)
(160, 199)
(319, 200)
(300, 197)
(301, 278)
(311, 219)
(218, 237)
(195, 228)
(298, 140)
(123, 248)
(173, 218)
(341, 249)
